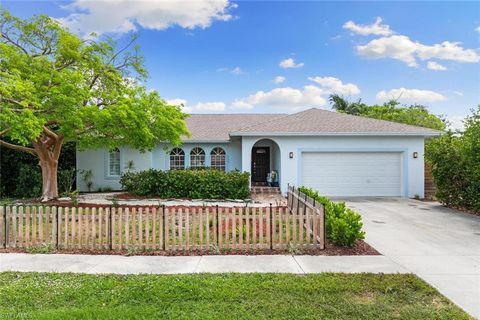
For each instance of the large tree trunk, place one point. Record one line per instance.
(49, 179)
(48, 148)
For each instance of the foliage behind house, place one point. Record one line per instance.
(455, 160)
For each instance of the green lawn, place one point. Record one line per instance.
(224, 296)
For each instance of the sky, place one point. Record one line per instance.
(282, 57)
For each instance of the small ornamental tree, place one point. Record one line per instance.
(56, 87)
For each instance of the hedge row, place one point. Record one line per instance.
(343, 225)
(455, 160)
(190, 183)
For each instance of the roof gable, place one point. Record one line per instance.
(216, 127)
(323, 122)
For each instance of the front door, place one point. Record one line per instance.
(260, 163)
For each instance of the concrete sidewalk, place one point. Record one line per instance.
(98, 264)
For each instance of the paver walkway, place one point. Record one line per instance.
(195, 264)
(440, 245)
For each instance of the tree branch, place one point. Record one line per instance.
(4, 35)
(51, 122)
(50, 133)
(4, 131)
(58, 147)
(18, 148)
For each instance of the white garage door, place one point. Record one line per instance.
(353, 173)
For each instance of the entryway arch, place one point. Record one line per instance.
(265, 159)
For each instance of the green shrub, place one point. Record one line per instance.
(190, 183)
(455, 160)
(66, 180)
(343, 225)
(29, 182)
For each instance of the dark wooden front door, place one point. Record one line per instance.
(260, 163)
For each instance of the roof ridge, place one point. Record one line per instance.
(259, 123)
(279, 118)
(237, 114)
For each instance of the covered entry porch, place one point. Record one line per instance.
(264, 163)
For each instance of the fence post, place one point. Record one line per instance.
(298, 203)
(271, 228)
(218, 233)
(163, 227)
(110, 229)
(5, 225)
(57, 229)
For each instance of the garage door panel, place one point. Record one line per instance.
(353, 173)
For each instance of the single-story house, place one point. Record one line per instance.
(338, 154)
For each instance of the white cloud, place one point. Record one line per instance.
(333, 85)
(456, 122)
(287, 97)
(447, 51)
(121, 16)
(401, 48)
(410, 95)
(199, 107)
(279, 79)
(458, 93)
(477, 29)
(290, 63)
(395, 47)
(294, 99)
(176, 102)
(377, 28)
(182, 103)
(209, 106)
(432, 65)
(236, 71)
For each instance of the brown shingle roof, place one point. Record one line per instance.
(216, 127)
(322, 122)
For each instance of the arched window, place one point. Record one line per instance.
(114, 162)
(217, 158)
(197, 158)
(177, 159)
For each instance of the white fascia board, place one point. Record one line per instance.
(315, 134)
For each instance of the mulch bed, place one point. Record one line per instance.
(361, 248)
(69, 204)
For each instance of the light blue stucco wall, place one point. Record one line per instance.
(290, 172)
(97, 161)
(280, 147)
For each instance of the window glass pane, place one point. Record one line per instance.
(177, 159)
(197, 158)
(217, 158)
(114, 163)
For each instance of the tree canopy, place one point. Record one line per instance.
(417, 115)
(56, 87)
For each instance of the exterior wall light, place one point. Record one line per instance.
(290, 155)
(415, 155)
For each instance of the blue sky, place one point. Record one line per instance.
(220, 56)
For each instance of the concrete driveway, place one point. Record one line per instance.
(440, 245)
